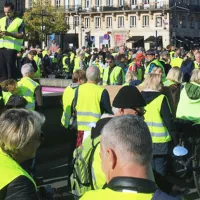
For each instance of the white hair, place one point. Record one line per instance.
(93, 73)
(26, 69)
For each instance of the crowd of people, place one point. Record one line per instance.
(120, 149)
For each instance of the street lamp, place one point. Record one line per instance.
(42, 14)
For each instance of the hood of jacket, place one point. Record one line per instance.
(149, 96)
(193, 91)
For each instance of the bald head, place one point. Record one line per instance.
(93, 74)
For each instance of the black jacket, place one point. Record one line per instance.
(19, 189)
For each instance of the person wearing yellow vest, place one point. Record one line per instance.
(30, 89)
(126, 165)
(22, 129)
(197, 60)
(177, 61)
(113, 75)
(153, 62)
(10, 98)
(159, 119)
(11, 40)
(92, 102)
(164, 60)
(132, 105)
(188, 106)
(79, 62)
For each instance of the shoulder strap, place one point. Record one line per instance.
(90, 163)
(75, 99)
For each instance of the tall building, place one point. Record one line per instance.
(132, 22)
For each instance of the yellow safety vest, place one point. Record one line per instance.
(10, 170)
(171, 55)
(196, 66)
(7, 41)
(88, 105)
(67, 99)
(100, 68)
(157, 64)
(26, 88)
(168, 83)
(188, 109)
(157, 128)
(65, 66)
(76, 64)
(38, 63)
(44, 53)
(113, 76)
(176, 62)
(111, 194)
(6, 96)
(72, 55)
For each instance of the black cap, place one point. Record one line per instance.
(96, 131)
(129, 97)
(150, 52)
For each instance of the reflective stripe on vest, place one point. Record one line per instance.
(6, 96)
(67, 99)
(65, 66)
(88, 105)
(7, 41)
(10, 170)
(158, 130)
(113, 75)
(26, 88)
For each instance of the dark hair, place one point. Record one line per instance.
(78, 75)
(10, 5)
(110, 57)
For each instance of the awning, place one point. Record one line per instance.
(180, 39)
(152, 39)
(189, 39)
(135, 38)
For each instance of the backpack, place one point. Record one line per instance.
(81, 178)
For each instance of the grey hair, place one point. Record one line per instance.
(26, 69)
(17, 129)
(93, 73)
(130, 138)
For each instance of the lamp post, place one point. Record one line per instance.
(42, 15)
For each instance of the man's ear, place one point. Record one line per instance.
(112, 158)
(121, 111)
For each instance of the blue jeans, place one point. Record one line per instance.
(159, 164)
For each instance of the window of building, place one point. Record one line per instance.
(145, 21)
(109, 2)
(87, 22)
(120, 22)
(57, 3)
(98, 3)
(97, 22)
(192, 22)
(158, 21)
(87, 3)
(66, 4)
(18, 5)
(109, 22)
(67, 20)
(134, 2)
(30, 3)
(199, 24)
(183, 22)
(145, 1)
(132, 21)
(76, 21)
(120, 2)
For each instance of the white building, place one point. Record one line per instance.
(132, 22)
